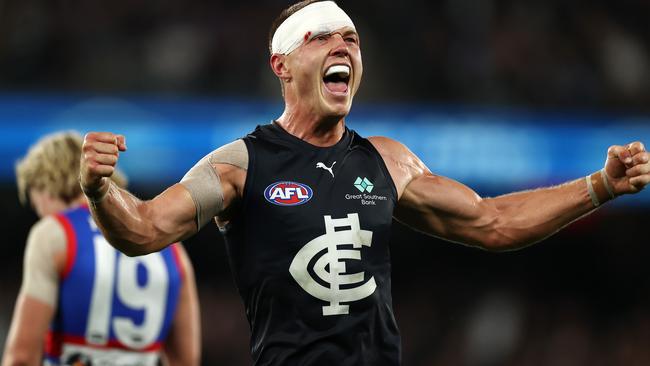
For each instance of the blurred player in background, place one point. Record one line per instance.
(82, 302)
(306, 204)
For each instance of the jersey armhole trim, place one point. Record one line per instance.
(384, 169)
(250, 173)
(53, 347)
(176, 253)
(71, 245)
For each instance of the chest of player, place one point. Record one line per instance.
(302, 203)
(294, 194)
(314, 229)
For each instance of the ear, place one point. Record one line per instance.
(279, 66)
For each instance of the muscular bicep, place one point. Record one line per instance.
(138, 227)
(172, 213)
(445, 208)
(434, 204)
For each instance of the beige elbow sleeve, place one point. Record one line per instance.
(204, 184)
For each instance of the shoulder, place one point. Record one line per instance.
(395, 152)
(237, 146)
(388, 146)
(234, 153)
(402, 163)
(47, 243)
(48, 231)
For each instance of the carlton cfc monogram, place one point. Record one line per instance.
(336, 276)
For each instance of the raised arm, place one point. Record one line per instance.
(134, 226)
(445, 208)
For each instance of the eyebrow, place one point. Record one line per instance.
(345, 33)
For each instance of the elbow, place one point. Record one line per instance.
(497, 242)
(503, 231)
(496, 236)
(132, 248)
(137, 250)
(502, 240)
(495, 233)
(133, 240)
(134, 252)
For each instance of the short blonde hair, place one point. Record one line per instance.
(52, 165)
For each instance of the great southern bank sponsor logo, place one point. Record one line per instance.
(288, 193)
(365, 186)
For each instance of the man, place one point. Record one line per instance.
(306, 205)
(101, 307)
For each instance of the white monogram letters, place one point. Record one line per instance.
(336, 276)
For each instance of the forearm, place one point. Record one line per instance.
(124, 221)
(29, 326)
(524, 218)
(14, 356)
(532, 216)
(448, 209)
(137, 227)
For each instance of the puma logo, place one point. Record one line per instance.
(323, 166)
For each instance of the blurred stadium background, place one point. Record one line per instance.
(501, 95)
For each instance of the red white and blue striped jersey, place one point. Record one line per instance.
(112, 309)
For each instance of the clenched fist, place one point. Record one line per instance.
(628, 168)
(99, 155)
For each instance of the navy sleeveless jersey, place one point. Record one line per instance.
(310, 254)
(112, 309)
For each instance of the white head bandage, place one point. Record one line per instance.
(318, 18)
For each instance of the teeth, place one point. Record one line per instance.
(343, 70)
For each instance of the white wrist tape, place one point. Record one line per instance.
(318, 18)
(592, 193)
(606, 183)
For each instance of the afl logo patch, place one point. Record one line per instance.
(288, 193)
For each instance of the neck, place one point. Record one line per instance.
(321, 131)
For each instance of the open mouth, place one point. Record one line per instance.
(336, 78)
